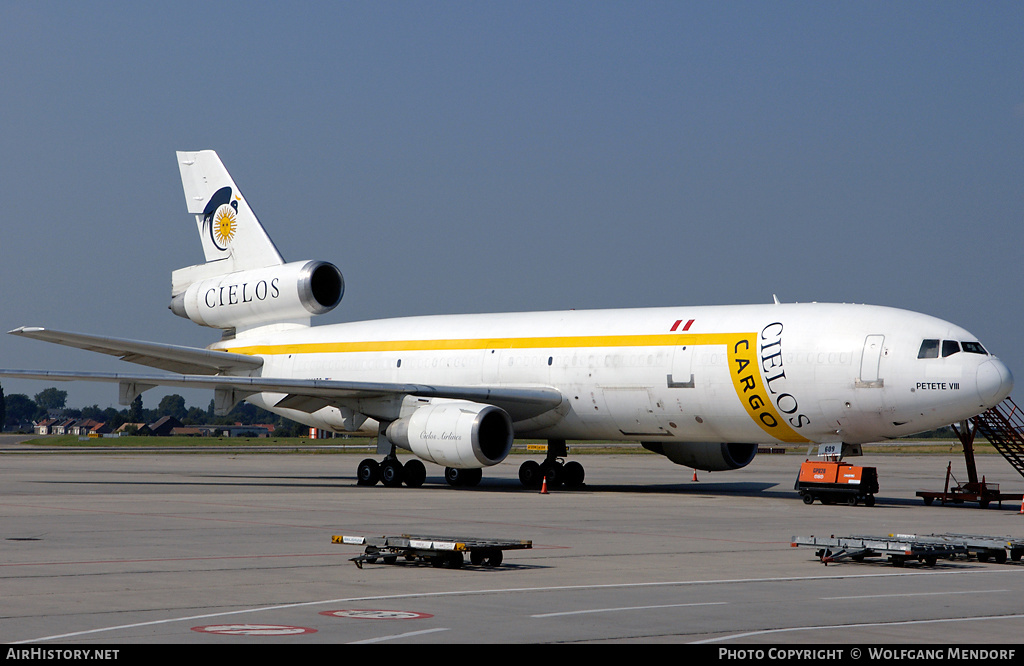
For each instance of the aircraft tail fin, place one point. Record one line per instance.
(228, 228)
(244, 284)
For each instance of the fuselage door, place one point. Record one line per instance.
(682, 363)
(869, 372)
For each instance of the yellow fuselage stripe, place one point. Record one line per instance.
(668, 340)
(742, 352)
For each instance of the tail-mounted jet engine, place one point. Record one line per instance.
(244, 299)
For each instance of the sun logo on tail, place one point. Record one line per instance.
(220, 218)
(224, 225)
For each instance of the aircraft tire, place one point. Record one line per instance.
(573, 474)
(391, 473)
(553, 472)
(529, 474)
(368, 473)
(462, 477)
(415, 474)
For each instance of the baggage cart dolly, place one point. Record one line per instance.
(899, 549)
(985, 548)
(439, 551)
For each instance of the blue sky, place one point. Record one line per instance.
(484, 156)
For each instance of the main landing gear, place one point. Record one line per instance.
(571, 474)
(392, 473)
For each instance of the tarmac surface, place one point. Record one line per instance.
(146, 548)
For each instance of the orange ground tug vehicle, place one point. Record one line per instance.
(833, 481)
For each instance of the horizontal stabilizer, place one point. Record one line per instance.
(173, 358)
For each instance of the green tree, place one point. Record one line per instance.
(136, 414)
(51, 398)
(172, 405)
(20, 408)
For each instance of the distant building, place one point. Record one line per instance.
(45, 427)
(188, 431)
(236, 430)
(162, 427)
(62, 426)
(84, 427)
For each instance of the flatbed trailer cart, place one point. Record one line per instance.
(898, 550)
(439, 551)
(985, 548)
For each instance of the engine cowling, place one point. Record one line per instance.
(288, 292)
(706, 456)
(457, 434)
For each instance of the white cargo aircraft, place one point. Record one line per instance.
(699, 385)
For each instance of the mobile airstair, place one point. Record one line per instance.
(1003, 427)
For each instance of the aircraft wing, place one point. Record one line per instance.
(173, 358)
(312, 394)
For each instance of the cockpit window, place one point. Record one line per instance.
(929, 349)
(974, 348)
(950, 347)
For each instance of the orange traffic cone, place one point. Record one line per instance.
(544, 486)
(694, 475)
(1022, 505)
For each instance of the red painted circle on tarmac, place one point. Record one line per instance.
(376, 614)
(254, 630)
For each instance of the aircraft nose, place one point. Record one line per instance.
(994, 382)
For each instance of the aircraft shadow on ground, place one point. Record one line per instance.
(751, 489)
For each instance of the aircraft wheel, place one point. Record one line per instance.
(553, 472)
(368, 473)
(472, 476)
(462, 477)
(573, 474)
(415, 474)
(529, 474)
(391, 473)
